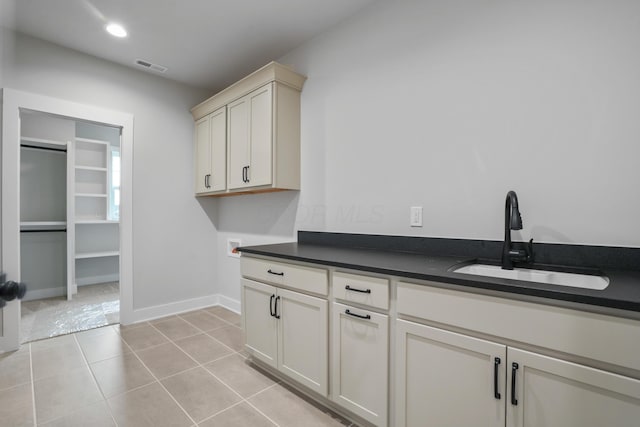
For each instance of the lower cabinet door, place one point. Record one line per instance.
(360, 362)
(260, 326)
(553, 392)
(447, 379)
(303, 339)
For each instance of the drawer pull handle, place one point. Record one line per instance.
(514, 370)
(360, 316)
(275, 273)
(496, 368)
(271, 312)
(275, 311)
(364, 291)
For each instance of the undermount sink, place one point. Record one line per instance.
(576, 280)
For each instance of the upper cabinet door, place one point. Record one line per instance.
(218, 148)
(238, 134)
(203, 155)
(250, 127)
(261, 128)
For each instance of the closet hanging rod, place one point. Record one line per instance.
(44, 230)
(63, 150)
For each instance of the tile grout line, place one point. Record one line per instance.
(207, 334)
(160, 383)
(220, 380)
(95, 381)
(163, 387)
(234, 352)
(33, 388)
(256, 408)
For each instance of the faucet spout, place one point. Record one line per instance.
(513, 221)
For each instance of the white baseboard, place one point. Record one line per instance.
(164, 310)
(93, 280)
(231, 304)
(44, 293)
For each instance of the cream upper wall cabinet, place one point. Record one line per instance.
(261, 132)
(250, 129)
(210, 152)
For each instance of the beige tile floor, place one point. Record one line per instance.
(184, 370)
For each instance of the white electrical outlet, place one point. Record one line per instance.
(232, 246)
(416, 216)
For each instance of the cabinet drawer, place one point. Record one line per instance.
(314, 280)
(608, 339)
(370, 291)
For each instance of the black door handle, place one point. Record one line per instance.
(244, 176)
(271, 306)
(11, 290)
(496, 369)
(364, 291)
(360, 316)
(514, 372)
(275, 311)
(247, 174)
(275, 273)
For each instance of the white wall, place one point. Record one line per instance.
(173, 238)
(450, 104)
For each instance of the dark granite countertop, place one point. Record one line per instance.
(622, 293)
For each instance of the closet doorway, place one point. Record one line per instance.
(69, 225)
(79, 151)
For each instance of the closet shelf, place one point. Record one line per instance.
(97, 221)
(42, 225)
(91, 195)
(88, 255)
(91, 168)
(92, 141)
(43, 143)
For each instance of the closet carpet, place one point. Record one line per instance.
(184, 370)
(93, 306)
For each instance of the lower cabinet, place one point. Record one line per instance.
(554, 392)
(449, 379)
(360, 341)
(439, 377)
(289, 331)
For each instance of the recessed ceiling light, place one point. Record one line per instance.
(116, 30)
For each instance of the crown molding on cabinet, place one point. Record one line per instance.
(269, 73)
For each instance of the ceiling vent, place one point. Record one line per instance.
(151, 66)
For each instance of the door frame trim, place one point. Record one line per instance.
(12, 102)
